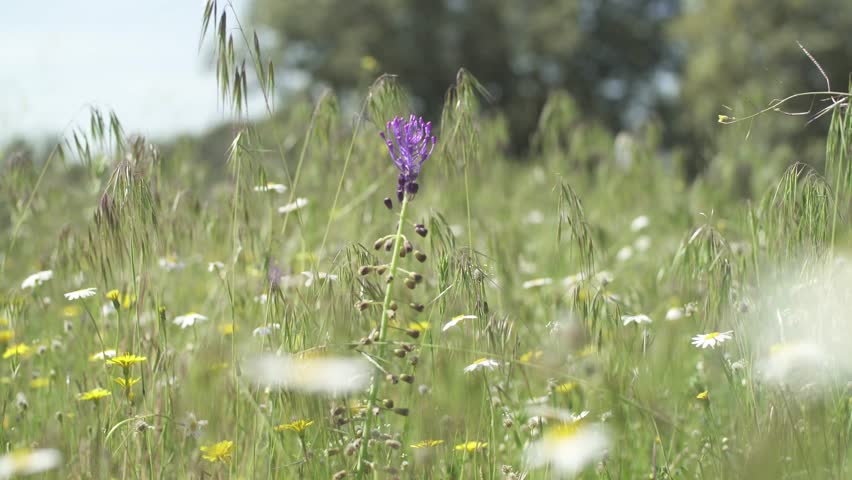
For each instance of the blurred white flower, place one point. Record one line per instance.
(292, 207)
(106, 354)
(37, 279)
(569, 448)
(794, 364)
(271, 187)
(560, 414)
(262, 298)
(642, 244)
(318, 375)
(624, 254)
(189, 319)
(84, 293)
(193, 427)
(215, 266)
(637, 319)
(482, 364)
(266, 330)
(456, 320)
(171, 263)
(29, 462)
(639, 223)
(712, 339)
(674, 313)
(537, 282)
(318, 275)
(107, 309)
(534, 217)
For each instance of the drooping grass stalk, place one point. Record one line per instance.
(383, 326)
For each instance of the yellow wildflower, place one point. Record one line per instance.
(566, 387)
(6, 336)
(113, 295)
(427, 443)
(227, 329)
(126, 384)
(531, 355)
(298, 426)
(126, 360)
(420, 326)
(39, 382)
(218, 452)
(95, 394)
(72, 310)
(19, 350)
(703, 395)
(471, 447)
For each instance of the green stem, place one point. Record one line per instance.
(383, 327)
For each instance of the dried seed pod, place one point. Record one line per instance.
(416, 277)
(399, 352)
(410, 283)
(407, 378)
(420, 256)
(365, 270)
(394, 444)
(412, 333)
(389, 203)
(401, 411)
(392, 378)
(417, 306)
(389, 245)
(408, 246)
(387, 403)
(377, 245)
(394, 306)
(381, 269)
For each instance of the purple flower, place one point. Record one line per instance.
(410, 143)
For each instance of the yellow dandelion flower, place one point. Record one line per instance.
(39, 382)
(298, 426)
(227, 329)
(126, 383)
(127, 300)
(19, 350)
(470, 447)
(126, 360)
(567, 387)
(72, 310)
(703, 395)
(420, 326)
(218, 452)
(4, 321)
(94, 394)
(6, 336)
(531, 355)
(113, 295)
(427, 443)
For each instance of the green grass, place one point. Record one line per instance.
(104, 209)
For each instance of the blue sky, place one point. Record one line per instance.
(141, 59)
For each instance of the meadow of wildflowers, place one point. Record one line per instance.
(388, 296)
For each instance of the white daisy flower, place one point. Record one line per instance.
(712, 339)
(674, 313)
(266, 330)
(569, 448)
(537, 282)
(29, 462)
(271, 187)
(262, 298)
(189, 319)
(292, 207)
(215, 266)
(560, 414)
(481, 364)
(84, 293)
(637, 319)
(640, 223)
(318, 375)
(456, 320)
(642, 244)
(624, 254)
(37, 279)
(319, 275)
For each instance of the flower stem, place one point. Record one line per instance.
(383, 327)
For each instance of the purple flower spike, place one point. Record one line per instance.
(410, 143)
